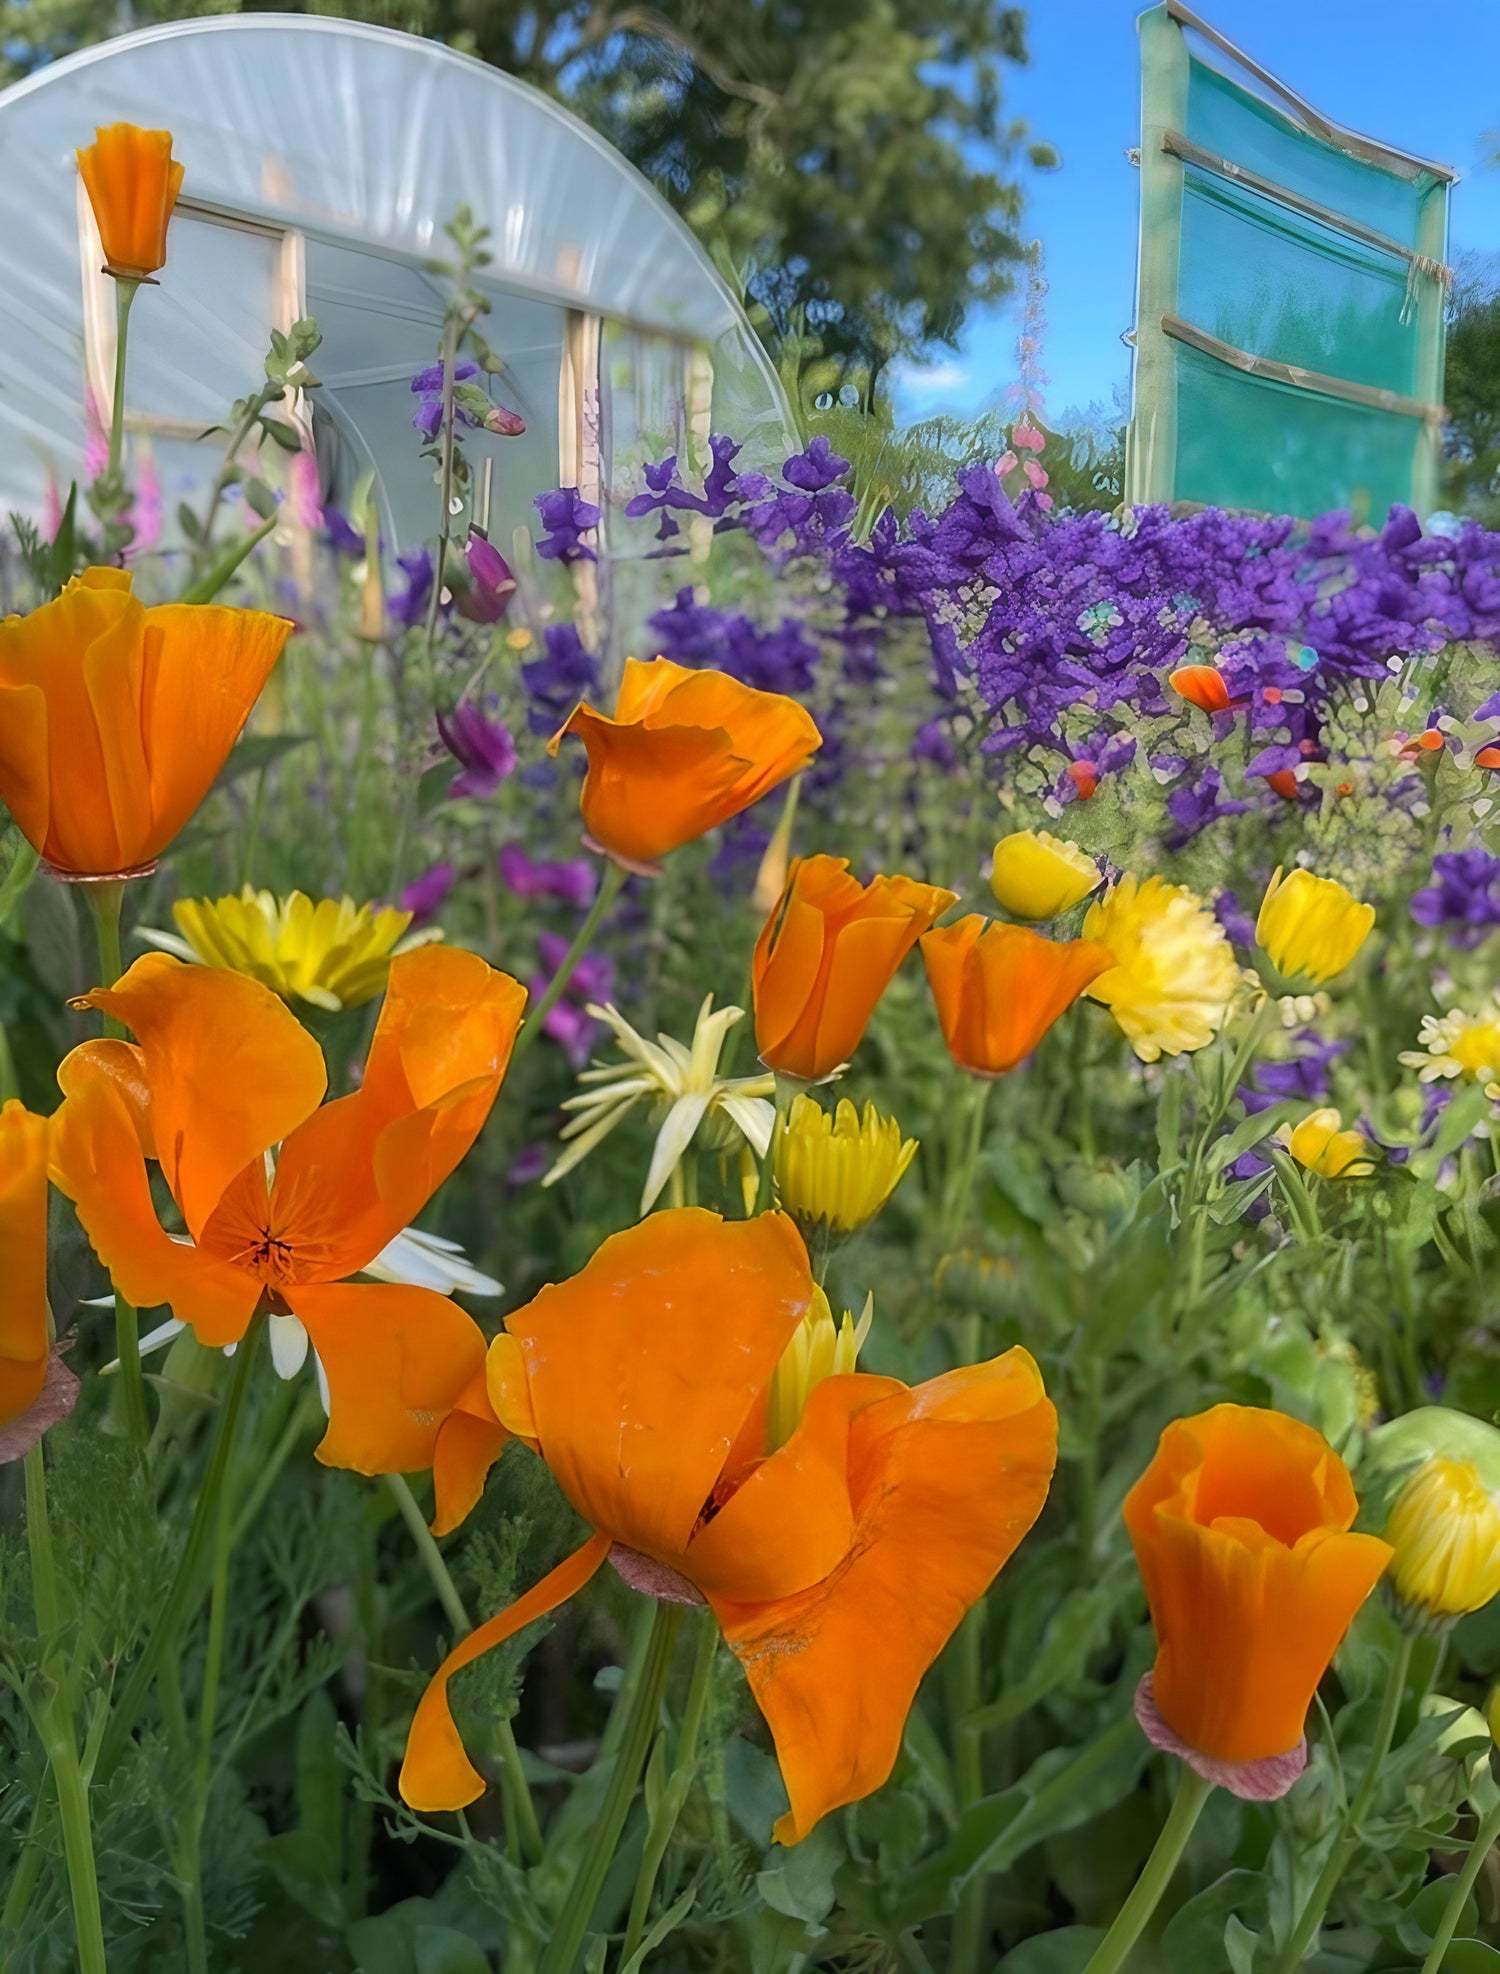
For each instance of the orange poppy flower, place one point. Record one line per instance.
(1202, 686)
(1241, 1530)
(220, 1074)
(837, 1567)
(999, 988)
(23, 1260)
(132, 182)
(684, 752)
(1084, 777)
(1284, 781)
(115, 719)
(1487, 757)
(826, 955)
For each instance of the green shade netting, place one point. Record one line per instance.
(1251, 442)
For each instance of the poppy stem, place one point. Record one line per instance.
(186, 1584)
(1453, 1911)
(609, 890)
(784, 1095)
(640, 1730)
(125, 291)
(105, 901)
(54, 1719)
(1193, 1792)
(1348, 1841)
(517, 1790)
(684, 1768)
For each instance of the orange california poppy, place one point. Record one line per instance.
(999, 988)
(220, 1075)
(826, 955)
(1241, 1530)
(132, 182)
(1202, 686)
(684, 752)
(115, 719)
(837, 1566)
(1284, 782)
(23, 1260)
(1487, 757)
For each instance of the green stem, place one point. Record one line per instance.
(105, 901)
(645, 1708)
(1479, 1850)
(23, 1880)
(445, 485)
(517, 1788)
(186, 1585)
(785, 1094)
(125, 291)
(609, 890)
(55, 1722)
(961, 1181)
(1348, 1840)
(1156, 1874)
(684, 1768)
(968, 1762)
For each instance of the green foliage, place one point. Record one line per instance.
(1471, 392)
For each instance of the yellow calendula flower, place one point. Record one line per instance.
(331, 953)
(1445, 1530)
(1321, 1144)
(1174, 977)
(1310, 927)
(1037, 876)
(1460, 1044)
(819, 1349)
(833, 1173)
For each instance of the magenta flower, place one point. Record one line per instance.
(491, 584)
(483, 748)
(573, 882)
(425, 896)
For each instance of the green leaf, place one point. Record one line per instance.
(670, 1920)
(1067, 1951)
(285, 435)
(1195, 1935)
(441, 1950)
(258, 751)
(213, 580)
(800, 1884)
(260, 499)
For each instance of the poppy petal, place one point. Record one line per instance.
(23, 1259)
(230, 1069)
(437, 1774)
(469, 1442)
(945, 1481)
(98, 1162)
(641, 1368)
(361, 1169)
(398, 1360)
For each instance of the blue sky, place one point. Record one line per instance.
(1417, 75)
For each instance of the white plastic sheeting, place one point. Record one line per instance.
(323, 159)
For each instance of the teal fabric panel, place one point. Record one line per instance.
(1233, 123)
(1250, 442)
(1279, 285)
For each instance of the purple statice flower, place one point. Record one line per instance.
(1195, 804)
(934, 744)
(566, 518)
(410, 606)
(573, 881)
(1304, 1076)
(555, 682)
(568, 1022)
(1463, 898)
(483, 748)
(340, 535)
(783, 658)
(528, 1165)
(1239, 927)
(426, 895)
(428, 384)
(491, 584)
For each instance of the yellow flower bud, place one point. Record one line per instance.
(1492, 1715)
(819, 1349)
(1310, 927)
(833, 1173)
(1445, 1530)
(1037, 876)
(1319, 1144)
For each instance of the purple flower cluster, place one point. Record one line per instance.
(566, 518)
(1463, 899)
(573, 881)
(555, 682)
(567, 1021)
(428, 384)
(483, 748)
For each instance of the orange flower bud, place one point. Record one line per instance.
(826, 955)
(999, 988)
(132, 182)
(1084, 777)
(1241, 1530)
(23, 1260)
(1487, 757)
(1284, 781)
(684, 752)
(1202, 686)
(115, 719)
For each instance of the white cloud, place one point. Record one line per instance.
(932, 380)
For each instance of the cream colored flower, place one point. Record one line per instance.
(1174, 979)
(1460, 1044)
(682, 1085)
